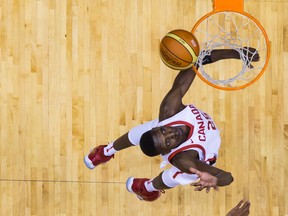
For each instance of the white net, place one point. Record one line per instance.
(231, 30)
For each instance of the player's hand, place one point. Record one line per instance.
(206, 181)
(252, 55)
(241, 209)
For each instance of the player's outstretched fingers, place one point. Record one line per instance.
(199, 188)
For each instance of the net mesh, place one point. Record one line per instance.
(231, 30)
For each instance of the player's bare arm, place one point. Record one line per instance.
(172, 102)
(185, 160)
(221, 54)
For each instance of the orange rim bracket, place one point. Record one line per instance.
(230, 5)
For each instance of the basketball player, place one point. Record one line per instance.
(185, 137)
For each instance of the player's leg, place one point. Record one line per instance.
(150, 189)
(103, 153)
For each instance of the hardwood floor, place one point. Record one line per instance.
(75, 74)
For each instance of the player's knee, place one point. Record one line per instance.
(168, 180)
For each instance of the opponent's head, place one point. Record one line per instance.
(161, 140)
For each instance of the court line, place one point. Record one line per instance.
(58, 181)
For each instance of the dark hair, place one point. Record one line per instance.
(147, 144)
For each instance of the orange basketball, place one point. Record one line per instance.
(179, 49)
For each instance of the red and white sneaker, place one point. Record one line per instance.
(96, 157)
(136, 186)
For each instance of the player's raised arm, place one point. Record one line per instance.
(172, 102)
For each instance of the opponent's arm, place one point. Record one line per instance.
(241, 209)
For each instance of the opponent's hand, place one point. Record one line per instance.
(241, 209)
(206, 180)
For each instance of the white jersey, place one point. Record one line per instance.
(204, 137)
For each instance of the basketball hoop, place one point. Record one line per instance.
(229, 27)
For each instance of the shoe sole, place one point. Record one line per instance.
(88, 163)
(129, 183)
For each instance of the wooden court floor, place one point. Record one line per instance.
(79, 73)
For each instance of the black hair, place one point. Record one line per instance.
(147, 144)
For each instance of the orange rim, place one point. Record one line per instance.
(220, 8)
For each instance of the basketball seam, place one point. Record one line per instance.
(186, 45)
(176, 55)
(176, 68)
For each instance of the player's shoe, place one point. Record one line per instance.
(96, 157)
(136, 186)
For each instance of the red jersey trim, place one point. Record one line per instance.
(185, 123)
(211, 160)
(185, 148)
